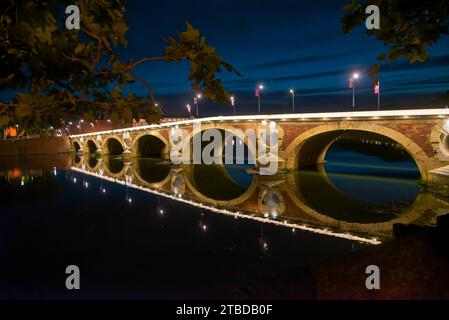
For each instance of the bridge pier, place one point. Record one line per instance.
(127, 155)
(99, 152)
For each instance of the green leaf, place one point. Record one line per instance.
(374, 70)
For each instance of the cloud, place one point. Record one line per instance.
(306, 59)
(431, 62)
(432, 81)
(250, 82)
(287, 62)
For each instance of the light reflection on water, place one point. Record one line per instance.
(134, 241)
(364, 201)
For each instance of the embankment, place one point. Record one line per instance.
(38, 146)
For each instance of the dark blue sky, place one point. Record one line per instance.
(283, 43)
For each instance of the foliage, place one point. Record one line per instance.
(407, 27)
(77, 73)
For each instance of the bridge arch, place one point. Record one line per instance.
(150, 144)
(310, 147)
(91, 146)
(252, 148)
(114, 145)
(76, 146)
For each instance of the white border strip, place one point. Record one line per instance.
(236, 214)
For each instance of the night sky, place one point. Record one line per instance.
(283, 44)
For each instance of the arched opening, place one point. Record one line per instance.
(76, 159)
(92, 162)
(77, 146)
(220, 182)
(357, 176)
(152, 170)
(234, 148)
(91, 146)
(226, 181)
(114, 147)
(357, 147)
(370, 154)
(149, 146)
(355, 198)
(114, 166)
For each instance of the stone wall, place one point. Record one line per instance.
(38, 146)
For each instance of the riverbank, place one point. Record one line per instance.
(35, 146)
(413, 266)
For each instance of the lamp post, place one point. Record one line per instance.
(258, 94)
(377, 91)
(355, 76)
(233, 103)
(196, 102)
(190, 111)
(292, 92)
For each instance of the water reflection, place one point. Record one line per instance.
(146, 228)
(358, 207)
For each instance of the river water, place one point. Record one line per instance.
(146, 229)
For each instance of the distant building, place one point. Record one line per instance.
(10, 132)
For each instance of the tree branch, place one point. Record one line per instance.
(9, 77)
(143, 60)
(149, 87)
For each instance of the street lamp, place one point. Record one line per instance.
(258, 94)
(190, 111)
(233, 103)
(355, 76)
(292, 92)
(195, 101)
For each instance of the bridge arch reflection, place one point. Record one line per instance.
(201, 179)
(281, 199)
(151, 172)
(114, 167)
(313, 184)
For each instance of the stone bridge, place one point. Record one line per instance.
(303, 138)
